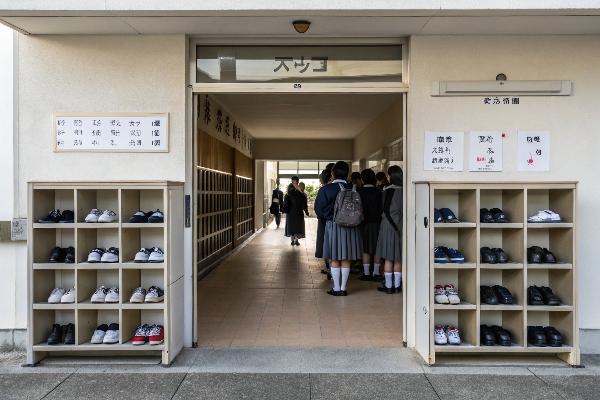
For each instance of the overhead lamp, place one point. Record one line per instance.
(301, 26)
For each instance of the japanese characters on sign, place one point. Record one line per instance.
(118, 132)
(443, 151)
(485, 151)
(319, 64)
(533, 151)
(219, 124)
(503, 100)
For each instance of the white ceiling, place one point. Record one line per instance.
(306, 116)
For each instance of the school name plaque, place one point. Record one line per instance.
(117, 132)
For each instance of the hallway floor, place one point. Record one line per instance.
(272, 294)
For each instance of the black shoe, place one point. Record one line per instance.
(140, 217)
(534, 297)
(386, 289)
(56, 335)
(70, 255)
(334, 292)
(58, 255)
(329, 276)
(377, 278)
(156, 217)
(498, 215)
(502, 336)
(366, 278)
(70, 334)
(343, 293)
(503, 294)
(52, 217)
(324, 271)
(535, 255)
(67, 217)
(548, 256)
(500, 255)
(486, 336)
(549, 298)
(488, 256)
(488, 296)
(485, 216)
(398, 289)
(536, 336)
(553, 337)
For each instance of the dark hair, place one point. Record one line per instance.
(330, 166)
(355, 176)
(326, 176)
(340, 170)
(290, 188)
(295, 178)
(381, 176)
(395, 173)
(368, 176)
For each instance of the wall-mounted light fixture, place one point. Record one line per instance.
(500, 87)
(301, 26)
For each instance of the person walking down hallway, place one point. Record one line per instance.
(276, 203)
(296, 206)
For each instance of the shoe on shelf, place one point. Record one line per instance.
(548, 256)
(486, 336)
(448, 215)
(95, 255)
(488, 296)
(67, 217)
(141, 335)
(107, 216)
(70, 255)
(503, 294)
(553, 337)
(451, 293)
(56, 335)
(488, 256)
(549, 298)
(498, 216)
(544, 216)
(536, 336)
(154, 295)
(140, 217)
(386, 289)
(500, 255)
(437, 216)
(142, 255)
(99, 333)
(502, 336)
(99, 295)
(112, 334)
(439, 256)
(534, 297)
(453, 255)
(52, 217)
(157, 217)
(452, 335)
(69, 296)
(56, 295)
(439, 335)
(93, 215)
(440, 295)
(110, 256)
(58, 255)
(138, 296)
(112, 295)
(555, 217)
(535, 255)
(156, 334)
(156, 256)
(69, 334)
(485, 216)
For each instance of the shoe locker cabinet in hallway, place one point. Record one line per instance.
(125, 198)
(517, 201)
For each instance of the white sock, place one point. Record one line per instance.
(345, 274)
(335, 275)
(397, 279)
(367, 268)
(376, 269)
(388, 279)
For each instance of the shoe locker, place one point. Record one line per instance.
(124, 198)
(518, 201)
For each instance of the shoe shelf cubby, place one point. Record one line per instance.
(518, 201)
(125, 199)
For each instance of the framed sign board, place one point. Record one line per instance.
(111, 132)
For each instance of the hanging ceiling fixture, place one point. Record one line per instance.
(301, 26)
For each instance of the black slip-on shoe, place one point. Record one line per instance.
(52, 217)
(386, 289)
(485, 216)
(56, 335)
(70, 255)
(501, 335)
(498, 215)
(549, 298)
(366, 278)
(343, 293)
(140, 217)
(500, 255)
(488, 296)
(67, 217)
(398, 289)
(334, 292)
(486, 336)
(534, 297)
(503, 294)
(377, 278)
(548, 256)
(536, 336)
(553, 337)
(57, 255)
(535, 255)
(70, 334)
(488, 256)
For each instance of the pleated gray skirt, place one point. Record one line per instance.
(389, 244)
(369, 232)
(342, 243)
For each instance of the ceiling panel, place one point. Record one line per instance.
(71, 25)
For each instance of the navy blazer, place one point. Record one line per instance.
(325, 201)
(277, 194)
(372, 204)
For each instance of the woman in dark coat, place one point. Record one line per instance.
(295, 202)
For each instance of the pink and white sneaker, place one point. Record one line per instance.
(141, 335)
(440, 296)
(156, 334)
(452, 295)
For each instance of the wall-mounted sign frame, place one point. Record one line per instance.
(111, 132)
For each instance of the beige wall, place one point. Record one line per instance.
(385, 129)
(98, 74)
(281, 150)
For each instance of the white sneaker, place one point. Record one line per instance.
(95, 255)
(99, 295)
(155, 295)
(439, 336)
(112, 295)
(138, 296)
(142, 255)
(452, 295)
(93, 215)
(111, 256)
(99, 333)
(112, 334)
(440, 296)
(56, 295)
(107, 216)
(69, 296)
(157, 256)
(452, 335)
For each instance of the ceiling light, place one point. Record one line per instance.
(301, 26)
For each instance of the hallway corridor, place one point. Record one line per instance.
(271, 294)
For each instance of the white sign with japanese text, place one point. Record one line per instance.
(485, 152)
(118, 132)
(533, 151)
(443, 151)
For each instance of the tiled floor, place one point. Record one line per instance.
(272, 294)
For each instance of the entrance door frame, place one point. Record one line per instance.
(195, 89)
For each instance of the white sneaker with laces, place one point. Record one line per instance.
(452, 295)
(112, 295)
(154, 295)
(452, 335)
(157, 256)
(95, 255)
(107, 216)
(111, 256)
(99, 333)
(440, 296)
(69, 296)
(112, 334)
(93, 215)
(142, 255)
(544, 216)
(439, 336)
(138, 296)
(99, 295)
(56, 295)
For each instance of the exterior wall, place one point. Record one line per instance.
(572, 121)
(381, 132)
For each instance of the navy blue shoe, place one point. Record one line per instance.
(437, 216)
(53, 217)
(439, 256)
(454, 256)
(448, 215)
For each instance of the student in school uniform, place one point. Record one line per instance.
(389, 244)
(295, 203)
(372, 209)
(342, 244)
(276, 203)
(324, 178)
(356, 179)
(382, 180)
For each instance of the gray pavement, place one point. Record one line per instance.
(294, 373)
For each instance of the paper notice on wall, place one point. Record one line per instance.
(533, 151)
(485, 153)
(444, 151)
